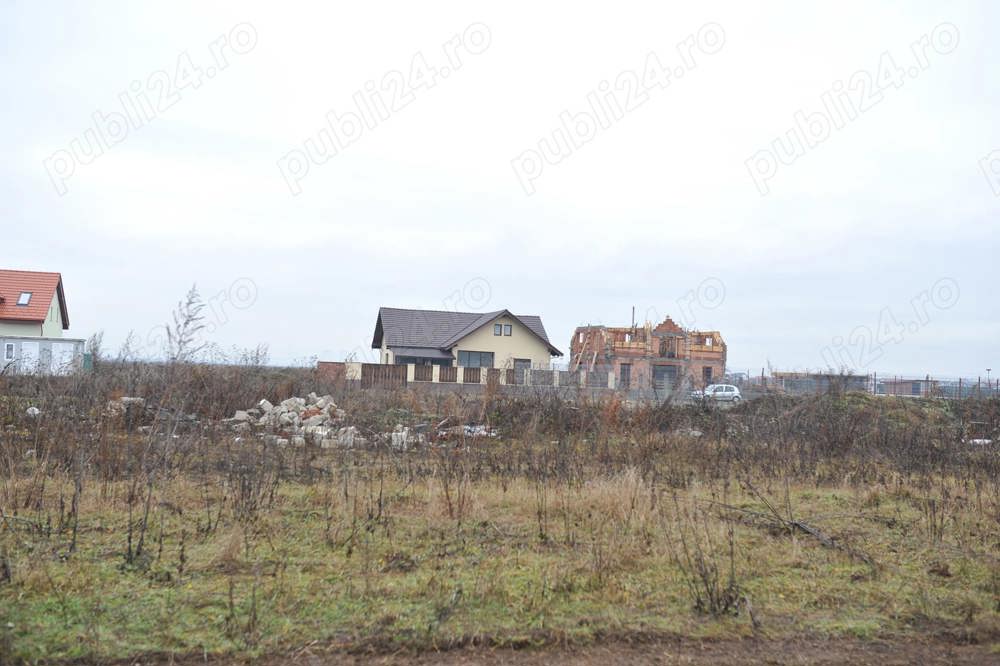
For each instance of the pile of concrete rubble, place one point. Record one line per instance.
(314, 420)
(296, 421)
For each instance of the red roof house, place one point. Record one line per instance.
(32, 303)
(33, 317)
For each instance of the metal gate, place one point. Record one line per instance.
(664, 377)
(521, 366)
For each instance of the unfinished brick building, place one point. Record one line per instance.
(664, 357)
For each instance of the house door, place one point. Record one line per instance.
(706, 374)
(29, 357)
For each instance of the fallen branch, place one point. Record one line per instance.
(791, 524)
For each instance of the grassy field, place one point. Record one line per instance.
(555, 533)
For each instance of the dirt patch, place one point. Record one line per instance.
(812, 652)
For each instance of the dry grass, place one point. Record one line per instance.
(837, 516)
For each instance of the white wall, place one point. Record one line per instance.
(522, 343)
(45, 355)
(20, 328)
(53, 326)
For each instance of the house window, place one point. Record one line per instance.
(473, 359)
(915, 388)
(708, 342)
(497, 329)
(24, 298)
(625, 374)
(8, 351)
(507, 329)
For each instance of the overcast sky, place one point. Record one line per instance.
(819, 185)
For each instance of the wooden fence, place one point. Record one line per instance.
(385, 376)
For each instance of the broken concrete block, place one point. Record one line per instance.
(293, 404)
(125, 404)
(265, 406)
(347, 436)
(315, 433)
(316, 420)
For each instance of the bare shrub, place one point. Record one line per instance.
(706, 558)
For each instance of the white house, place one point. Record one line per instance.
(33, 316)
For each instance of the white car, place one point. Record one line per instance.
(720, 393)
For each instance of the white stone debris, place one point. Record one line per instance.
(315, 420)
(349, 437)
(293, 404)
(403, 439)
(124, 404)
(479, 431)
